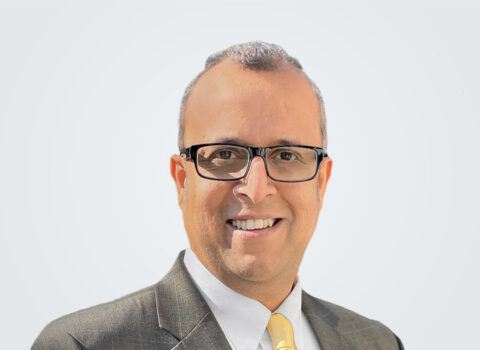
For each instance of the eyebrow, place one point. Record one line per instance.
(279, 142)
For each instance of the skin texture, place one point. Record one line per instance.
(257, 108)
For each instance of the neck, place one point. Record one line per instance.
(271, 299)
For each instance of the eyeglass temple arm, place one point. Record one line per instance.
(187, 151)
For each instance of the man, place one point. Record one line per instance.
(251, 177)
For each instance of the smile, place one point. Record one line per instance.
(253, 224)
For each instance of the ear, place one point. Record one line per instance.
(323, 176)
(179, 175)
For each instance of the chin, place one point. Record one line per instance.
(250, 267)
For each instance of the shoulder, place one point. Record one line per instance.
(355, 330)
(130, 321)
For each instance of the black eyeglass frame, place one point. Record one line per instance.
(191, 154)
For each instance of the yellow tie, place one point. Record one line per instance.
(281, 333)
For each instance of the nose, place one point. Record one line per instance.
(256, 185)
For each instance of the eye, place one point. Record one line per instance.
(223, 154)
(286, 156)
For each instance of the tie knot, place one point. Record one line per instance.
(281, 332)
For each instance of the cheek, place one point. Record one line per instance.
(205, 200)
(305, 205)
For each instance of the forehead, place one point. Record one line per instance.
(254, 107)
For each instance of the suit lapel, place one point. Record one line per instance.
(206, 335)
(182, 311)
(323, 322)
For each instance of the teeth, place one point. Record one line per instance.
(251, 224)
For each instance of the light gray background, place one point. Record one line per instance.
(89, 100)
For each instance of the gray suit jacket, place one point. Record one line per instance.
(173, 315)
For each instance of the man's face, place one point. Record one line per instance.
(257, 108)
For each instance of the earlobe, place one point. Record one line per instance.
(178, 173)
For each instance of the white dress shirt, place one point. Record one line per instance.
(244, 320)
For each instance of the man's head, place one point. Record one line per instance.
(252, 94)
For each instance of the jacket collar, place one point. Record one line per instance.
(324, 323)
(183, 313)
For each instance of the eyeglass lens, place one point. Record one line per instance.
(283, 163)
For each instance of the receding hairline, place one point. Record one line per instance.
(256, 57)
(229, 65)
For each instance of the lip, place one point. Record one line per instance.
(252, 234)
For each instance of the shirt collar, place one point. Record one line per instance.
(291, 308)
(242, 319)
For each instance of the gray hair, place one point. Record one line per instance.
(257, 56)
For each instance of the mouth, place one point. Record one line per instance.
(253, 224)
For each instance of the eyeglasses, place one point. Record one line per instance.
(230, 162)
